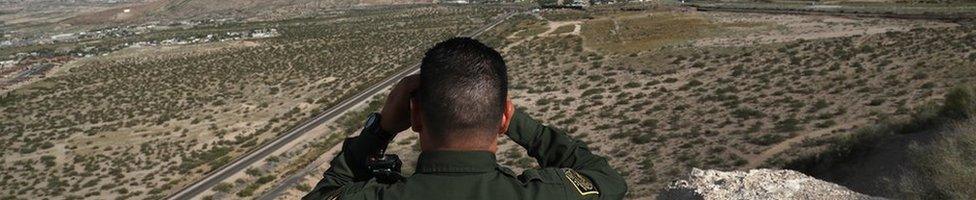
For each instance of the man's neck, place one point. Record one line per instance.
(457, 144)
(449, 148)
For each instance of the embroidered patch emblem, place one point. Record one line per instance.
(581, 183)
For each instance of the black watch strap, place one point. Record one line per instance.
(373, 128)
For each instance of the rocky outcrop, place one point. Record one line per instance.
(756, 184)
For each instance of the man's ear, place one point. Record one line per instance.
(506, 117)
(416, 120)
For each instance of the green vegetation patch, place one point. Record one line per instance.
(634, 33)
(564, 29)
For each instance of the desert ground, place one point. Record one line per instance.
(727, 90)
(662, 91)
(143, 122)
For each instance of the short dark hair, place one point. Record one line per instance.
(463, 87)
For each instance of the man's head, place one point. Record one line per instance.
(462, 102)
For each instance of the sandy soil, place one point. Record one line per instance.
(763, 28)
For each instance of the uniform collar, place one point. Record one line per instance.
(456, 161)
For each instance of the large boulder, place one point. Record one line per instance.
(756, 184)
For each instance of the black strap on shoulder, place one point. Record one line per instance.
(506, 171)
(530, 175)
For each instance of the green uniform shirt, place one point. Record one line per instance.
(568, 171)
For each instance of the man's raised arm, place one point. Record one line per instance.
(554, 149)
(350, 164)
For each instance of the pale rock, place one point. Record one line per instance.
(758, 184)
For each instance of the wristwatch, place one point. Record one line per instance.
(385, 167)
(372, 127)
(372, 123)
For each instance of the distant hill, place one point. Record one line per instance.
(163, 10)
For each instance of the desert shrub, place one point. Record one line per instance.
(747, 113)
(960, 103)
(543, 101)
(592, 92)
(47, 145)
(717, 149)
(876, 102)
(272, 159)
(826, 124)
(253, 172)
(737, 160)
(649, 124)
(919, 76)
(642, 138)
(214, 157)
(647, 166)
(819, 105)
(247, 191)
(304, 187)
(223, 187)
(945, 167)
(767, 139)
(632, 85)
(788, 125)
(48, 160)
(694, 83)
(265, 179)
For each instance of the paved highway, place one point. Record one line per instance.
(243, 162)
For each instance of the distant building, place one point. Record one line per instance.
(64, 37)
(7, 63)
(577, 4)
(264, 33)
(454, 1)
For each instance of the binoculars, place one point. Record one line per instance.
(385, 167)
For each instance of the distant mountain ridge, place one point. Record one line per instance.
(170, 10)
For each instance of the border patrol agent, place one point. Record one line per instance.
(459, 106)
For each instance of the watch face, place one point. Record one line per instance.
(372, 119)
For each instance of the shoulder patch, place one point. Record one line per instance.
(582, 184)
